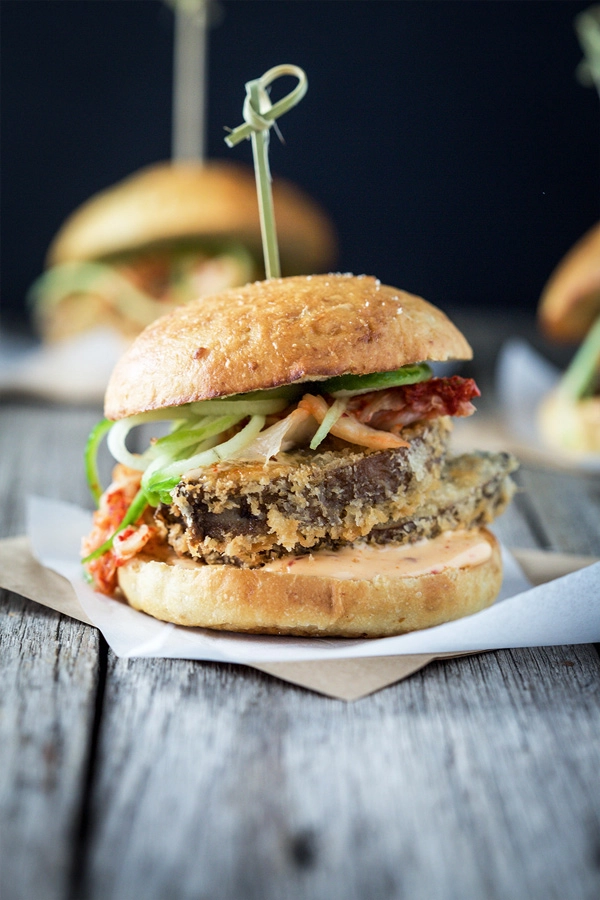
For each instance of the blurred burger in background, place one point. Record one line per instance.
(168, 234)
(569, 311)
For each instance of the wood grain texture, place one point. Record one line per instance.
(48, 672)
(475, 778)
(41, 452)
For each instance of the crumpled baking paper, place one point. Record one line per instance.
(564, 611)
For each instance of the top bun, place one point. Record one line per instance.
(178, 201)
(278, 332)
(570, 302)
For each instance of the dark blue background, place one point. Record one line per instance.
(450, 141)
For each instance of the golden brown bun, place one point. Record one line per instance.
(571, 426)
(570, 302)
(168, 201)
(251, 600)
(277, 332)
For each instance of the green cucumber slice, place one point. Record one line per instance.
(349, 385)
(91, 457)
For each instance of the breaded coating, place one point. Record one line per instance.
(474, 489)
(245, 513)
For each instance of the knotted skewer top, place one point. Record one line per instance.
(259, 116)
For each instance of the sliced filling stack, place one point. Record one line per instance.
(252, 478)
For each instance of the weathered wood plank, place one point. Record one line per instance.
(564, 508)
(49, 676)
(513, 527)
(48, 671)
(474, 778)
(41, 451)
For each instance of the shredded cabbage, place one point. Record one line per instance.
(297, 428)
(333, 414)
(186, 434)
(195, 429)
(163, 475)
(116, 443)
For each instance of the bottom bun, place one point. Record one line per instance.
(260, 601)
(571, 425)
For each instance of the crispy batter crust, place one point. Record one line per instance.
(247, 512)
(278, 332)
(170, 202)
(474, 489)
(251, 600)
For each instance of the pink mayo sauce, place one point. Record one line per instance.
(450, 550)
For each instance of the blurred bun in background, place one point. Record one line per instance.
(569, 310)
(450, 143)
(570, 301)
(168, 234)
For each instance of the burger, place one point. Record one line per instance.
(302, 483)
(166, 235)
(569, 311)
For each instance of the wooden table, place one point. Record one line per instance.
(475, 778)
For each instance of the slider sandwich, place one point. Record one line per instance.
(304, 485)
(164, 236)
(569, 311)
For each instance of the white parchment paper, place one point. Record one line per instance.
(565, 611)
